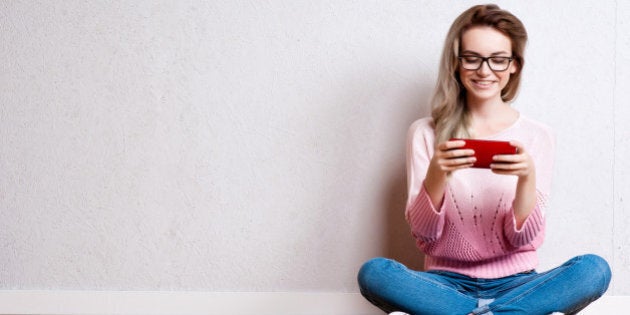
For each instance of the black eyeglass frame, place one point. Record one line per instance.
(487, 61)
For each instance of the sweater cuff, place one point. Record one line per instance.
(534, 224)
(426, 222)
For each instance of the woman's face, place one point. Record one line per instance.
(485, 84)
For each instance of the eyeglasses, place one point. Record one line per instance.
(496, 63)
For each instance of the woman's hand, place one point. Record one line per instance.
(520, 164)
(449, 157)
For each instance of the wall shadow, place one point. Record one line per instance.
(399, 243)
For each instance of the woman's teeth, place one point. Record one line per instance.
(483, 83)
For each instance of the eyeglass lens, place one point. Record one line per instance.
(495, 63)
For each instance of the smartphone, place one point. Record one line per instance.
(486, 149)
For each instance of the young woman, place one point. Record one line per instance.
(480, 228)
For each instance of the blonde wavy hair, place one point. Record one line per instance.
(448, 104)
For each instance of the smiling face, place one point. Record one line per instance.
(484, 84)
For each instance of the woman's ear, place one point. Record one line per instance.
(514, 67)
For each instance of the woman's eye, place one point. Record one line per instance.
(471, 59)
(500, 60)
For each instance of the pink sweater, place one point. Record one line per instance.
(474, 231)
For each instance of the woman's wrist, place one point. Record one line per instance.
(435, 183)
(525, 199)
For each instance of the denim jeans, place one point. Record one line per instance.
(568, 288)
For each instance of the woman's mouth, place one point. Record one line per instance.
(483, 83)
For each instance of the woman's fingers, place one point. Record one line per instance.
(451, 144)
(450, 157)
(509, 167)
(458, 153)
(456, 162)
(508, 158)
(451, 149)
(519, 146)
(519, 164)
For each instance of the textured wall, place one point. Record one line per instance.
(259, 145)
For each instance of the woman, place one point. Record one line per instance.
(480, 228)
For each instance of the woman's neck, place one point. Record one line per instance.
(485, 107)
(491, 117)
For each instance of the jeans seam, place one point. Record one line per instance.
(520, 296)
(429, 280)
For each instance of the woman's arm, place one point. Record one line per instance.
(534, 168)
(521, 165)
(426, 180)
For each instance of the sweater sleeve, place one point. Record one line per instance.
(425, 220)
(532, 230)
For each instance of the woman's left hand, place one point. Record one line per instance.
(520, 164)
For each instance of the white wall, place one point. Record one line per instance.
(259, 145)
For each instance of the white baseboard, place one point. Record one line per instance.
(165, 302)
(232, 303)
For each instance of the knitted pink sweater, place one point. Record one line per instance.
(474, 232)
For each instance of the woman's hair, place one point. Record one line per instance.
(449, 109)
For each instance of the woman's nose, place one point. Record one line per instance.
(485, 68)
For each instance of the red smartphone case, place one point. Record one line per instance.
(486, 149)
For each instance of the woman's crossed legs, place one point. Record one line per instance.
(568, 288)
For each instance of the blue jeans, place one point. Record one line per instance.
(568, 288)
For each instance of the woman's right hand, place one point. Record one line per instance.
(449, 156)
